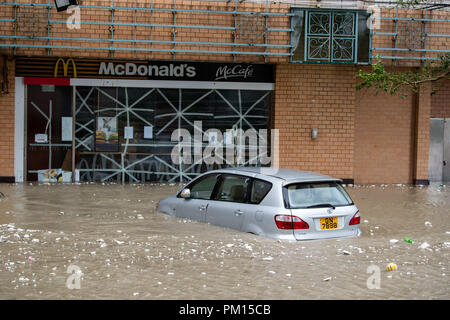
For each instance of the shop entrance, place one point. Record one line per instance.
(439, 156)
(48, 137)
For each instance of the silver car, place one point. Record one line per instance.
(276, 203)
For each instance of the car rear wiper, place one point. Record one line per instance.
(322, 205)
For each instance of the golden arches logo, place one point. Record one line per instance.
(65, 67)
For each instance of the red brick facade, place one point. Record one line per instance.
(321, 97)
(7, 126)
(383, 138)
(440, 100)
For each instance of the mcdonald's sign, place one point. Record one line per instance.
(65, 64)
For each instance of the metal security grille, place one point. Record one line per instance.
(32, 21)
(251, 28)
(331, 36)
(411, 35)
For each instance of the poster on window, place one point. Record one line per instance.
(106, 135)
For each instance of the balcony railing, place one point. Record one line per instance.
(258, 31)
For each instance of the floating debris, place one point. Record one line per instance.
(408, 240)
(344, 252)
(391, 267)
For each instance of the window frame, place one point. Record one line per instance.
(265, 195)
(215, 190)
(189, 185)
(220, 180)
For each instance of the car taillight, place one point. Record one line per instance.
(356, 219)
(290, 222)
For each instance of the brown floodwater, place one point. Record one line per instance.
(124, 249)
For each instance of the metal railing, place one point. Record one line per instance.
(226, 30)
(116, 43)
(416, 36)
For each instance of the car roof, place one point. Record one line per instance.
(288, 175)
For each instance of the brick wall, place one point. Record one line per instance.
(322, 97)
(411, 35)
(392, 136)
(440, 100)
(361, 136)
(383, 138)
(32, 22)
(97, 27)
(7, 126)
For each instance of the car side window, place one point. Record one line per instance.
(260, 189)
(232, 188)
(203, 189)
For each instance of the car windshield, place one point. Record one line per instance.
(322, 194)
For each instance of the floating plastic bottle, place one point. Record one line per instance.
(409, 240)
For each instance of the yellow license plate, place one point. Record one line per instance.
(328, 223)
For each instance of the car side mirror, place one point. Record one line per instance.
(186, 193)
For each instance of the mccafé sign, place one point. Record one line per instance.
(67, 67)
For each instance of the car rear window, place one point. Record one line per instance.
(304, 195)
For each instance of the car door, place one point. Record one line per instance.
(195, 207)
(229, 204)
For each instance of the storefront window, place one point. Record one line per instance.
(143, 120)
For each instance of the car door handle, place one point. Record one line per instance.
(238, 213)
(202, 208)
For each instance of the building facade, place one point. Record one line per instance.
(114, 79)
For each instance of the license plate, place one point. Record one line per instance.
(329, 223)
